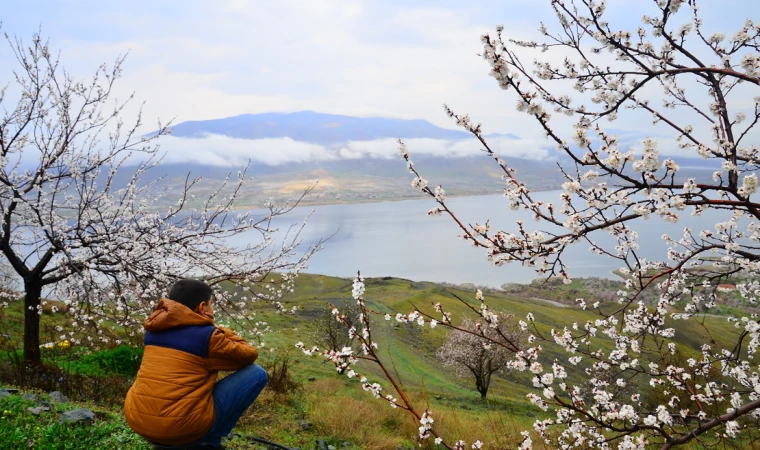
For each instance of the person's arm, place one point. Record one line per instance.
(228, 351)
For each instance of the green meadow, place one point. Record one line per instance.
(308, 400)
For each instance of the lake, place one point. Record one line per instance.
(399, 239)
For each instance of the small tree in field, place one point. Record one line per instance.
(474, 357)
(704, 89)
(331, 334)
(72, 230)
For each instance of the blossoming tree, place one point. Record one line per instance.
(703, 88)
(475, 357)
(77, 223)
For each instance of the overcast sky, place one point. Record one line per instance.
(194, 60)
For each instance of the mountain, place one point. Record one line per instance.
(358, 177)
(317, 128)
(354, 159)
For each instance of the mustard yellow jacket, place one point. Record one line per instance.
(171, 399)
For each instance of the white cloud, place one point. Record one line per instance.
(505, 147)
(216, 150)
(199, 60)
(219, 150)
(346, 57)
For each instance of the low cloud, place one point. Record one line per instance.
(388, 148)
(218, 150)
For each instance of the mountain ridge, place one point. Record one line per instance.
(318, 128)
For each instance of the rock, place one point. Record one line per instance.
(4, 393)
(58, 397)
(347, 444)
(9, 390)
(321, 445)
(304, 425)
(36, 399)
(81, 415)
(330, 447)
(37, 410)
(531, 414)
(312, 378)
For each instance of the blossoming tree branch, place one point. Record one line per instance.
(703, 89)
(78, 223)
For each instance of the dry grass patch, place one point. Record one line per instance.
(496, 429)
(371, 424)
(325, 386)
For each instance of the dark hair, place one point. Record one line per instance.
(190, 293)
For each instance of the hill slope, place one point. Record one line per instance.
(337, 406)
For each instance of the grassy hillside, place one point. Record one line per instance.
(412, 348)
(335, 407)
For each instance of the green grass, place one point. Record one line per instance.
(406, 348)
(121, 360)
(20, 429)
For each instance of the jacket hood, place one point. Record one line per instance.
(171, 314)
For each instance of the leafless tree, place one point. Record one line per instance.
(330, 333)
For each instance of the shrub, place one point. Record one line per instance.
(281, 380)
(122, 360)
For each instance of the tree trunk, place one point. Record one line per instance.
(32, 322)
(482, 384)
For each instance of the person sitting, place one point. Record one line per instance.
(176, 401)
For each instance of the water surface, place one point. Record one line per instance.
(399, 239)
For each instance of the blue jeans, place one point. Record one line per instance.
(232, 396)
